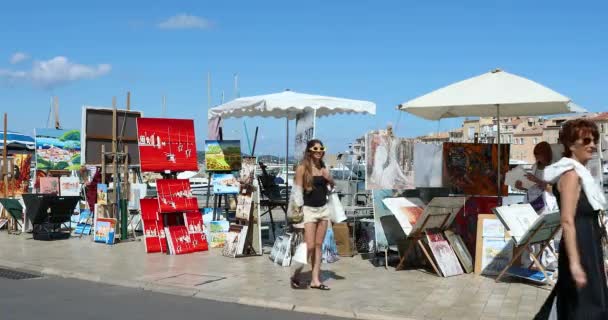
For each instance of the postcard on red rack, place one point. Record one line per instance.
(174, 195)
(166, 144)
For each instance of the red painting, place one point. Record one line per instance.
(465, 223)
(174, 195)
(166, 145)
(412, 214)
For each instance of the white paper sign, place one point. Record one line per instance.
(305, 131)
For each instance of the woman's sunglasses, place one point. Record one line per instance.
(317, 149)
(587, 141)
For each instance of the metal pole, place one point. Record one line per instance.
(4, 157)
(287, 161)
(499, 193)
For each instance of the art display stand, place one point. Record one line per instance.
(48, 213)
(541, 232)
(437, 221)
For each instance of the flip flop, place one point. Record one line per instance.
(296, 284)
(321, 287)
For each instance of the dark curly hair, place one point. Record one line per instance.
(573, 130)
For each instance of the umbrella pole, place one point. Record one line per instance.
(287, 161)
(499, 189)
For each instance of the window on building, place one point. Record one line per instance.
(471, 133)
(535, 141)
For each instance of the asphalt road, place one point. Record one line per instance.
(57, 298)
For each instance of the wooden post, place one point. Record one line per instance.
(4, 157)
(103, 164)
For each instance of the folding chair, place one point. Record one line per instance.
(271, 198)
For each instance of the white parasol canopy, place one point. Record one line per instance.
(482, 95)
(288, 104)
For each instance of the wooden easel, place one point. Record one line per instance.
(420, 235)
(527, 245)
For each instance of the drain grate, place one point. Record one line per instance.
(16, 275)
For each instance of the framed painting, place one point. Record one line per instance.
(223, 155)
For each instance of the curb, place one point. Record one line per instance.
(195, 293)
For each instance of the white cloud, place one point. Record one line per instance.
(19, 57)
(185, 21)
(55, 72)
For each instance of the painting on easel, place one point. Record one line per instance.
(166, 145)
(223, 155)
(57, 149)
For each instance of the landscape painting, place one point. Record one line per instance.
(390, 162)
(57, 149)
(166, 145)
(471, 168)
(224, 155)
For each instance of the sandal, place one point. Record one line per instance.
(321, 287)
(296, 284)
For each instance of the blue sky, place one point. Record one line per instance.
(384, 51)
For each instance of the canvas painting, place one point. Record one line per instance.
(518, 218)
(224, 155)
(461, 250)
(465, 223)
(69, 186)
(49, 185)
(305, 131)
(217, 233)
(105, 229)
(244, 202)
(21, 165)
(247, 173)
(380, 210)
(471, 169)
(389, 162)
(496, 255)
(407, 211)
(224, 183)
(428, 165)
(166, 145)
(102, 193)
(443, 253)
(174, 195)
(57, 149)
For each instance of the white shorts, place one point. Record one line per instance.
(315, 214)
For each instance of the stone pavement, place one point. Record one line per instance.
(359, 290)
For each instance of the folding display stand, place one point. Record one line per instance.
(47, 213)
(438, 215)
(542, 231)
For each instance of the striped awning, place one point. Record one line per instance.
(17, 141)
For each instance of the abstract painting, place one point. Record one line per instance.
(21, 172)
(389, 162)
(224, 155)
(224, 183)
(174, 195)
(57, 149)
(444, 255)
(166, 145)
(428, 165)
(471, 168)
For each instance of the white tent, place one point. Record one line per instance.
(496, 93)
(288, 104)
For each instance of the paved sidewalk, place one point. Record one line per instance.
(359, 290)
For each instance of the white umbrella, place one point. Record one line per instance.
(496, 93)
(288, 104)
